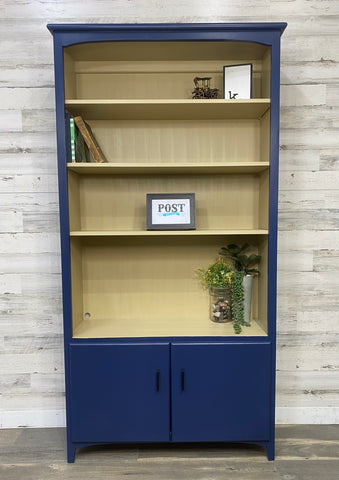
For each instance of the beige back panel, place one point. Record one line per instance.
(118, 202)
(125, 281)
(159, 69)
(136, 283)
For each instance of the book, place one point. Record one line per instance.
(90, 140)
(72, 130)
(70, 138)
(81, 150)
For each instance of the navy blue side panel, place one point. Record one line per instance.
(273, 217)
(274, 179)
(64, 218)
(221, 392)
(120, 393)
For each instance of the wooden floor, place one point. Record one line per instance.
(303, 452)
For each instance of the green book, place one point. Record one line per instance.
(72, 132)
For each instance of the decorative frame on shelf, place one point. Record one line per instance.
(238, 81)
(170, 211)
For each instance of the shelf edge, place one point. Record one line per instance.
(155, 233)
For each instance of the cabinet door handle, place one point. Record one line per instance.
(157, 380)
(182, 379)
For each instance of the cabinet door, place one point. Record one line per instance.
(220, 392)
(119, 392)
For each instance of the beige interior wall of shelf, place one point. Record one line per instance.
(173, 83)
(139, 66)
(77, 283)
(167, 51)
(132, 285)
(69, 76)
(160, 69)
(196, 326)
(170, 141)
(118, 202)
(144, 284)
(266, 74)
(265, 136)
(74, 201)
(264, 184)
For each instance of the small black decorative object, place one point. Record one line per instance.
(170, 211)
(202, 88)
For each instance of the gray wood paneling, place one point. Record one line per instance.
(28, 163)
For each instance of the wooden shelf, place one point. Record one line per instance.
(168, 109)
(159, 168)
(147, 233)
(173, 327)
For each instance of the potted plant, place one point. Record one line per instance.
(243, 265)
(218, 279)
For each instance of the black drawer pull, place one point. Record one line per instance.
(182, 380)
(158, 380)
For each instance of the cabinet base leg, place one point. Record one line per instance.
(70, 454)
(270, 451)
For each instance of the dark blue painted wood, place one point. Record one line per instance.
(251, 32)
(273, 224)
(225, 395)
(64, 224)
(233, 339)
(153, 27)
(115, 395)
(65, 35)
(270, 447)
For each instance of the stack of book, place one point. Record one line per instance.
(81, 142)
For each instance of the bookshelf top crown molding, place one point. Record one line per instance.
(102, 27)
(261, 33)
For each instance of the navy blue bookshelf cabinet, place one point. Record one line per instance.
(143, 363)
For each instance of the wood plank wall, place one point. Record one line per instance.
(31, 360)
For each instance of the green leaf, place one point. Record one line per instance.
(243, 259)
(252, 259)
(233, 249)
(244, 247)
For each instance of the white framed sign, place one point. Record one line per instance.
(170, 211)
(238, 81)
